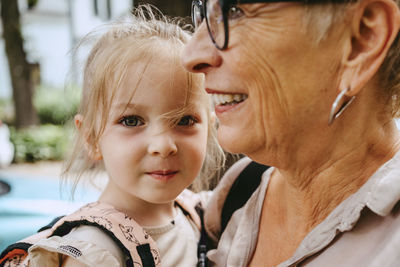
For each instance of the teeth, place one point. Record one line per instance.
(225, 99)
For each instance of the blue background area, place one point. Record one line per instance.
(33, 203)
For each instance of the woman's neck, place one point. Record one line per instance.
(307, 192)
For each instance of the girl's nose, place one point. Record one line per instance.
(162, 145)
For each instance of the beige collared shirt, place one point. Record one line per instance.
(364, 230)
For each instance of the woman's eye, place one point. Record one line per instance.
(235, 13)
(187, 121)
(131, 121)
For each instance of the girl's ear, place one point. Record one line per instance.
(374, 27)
(213, 118)
(78, 119)
(92, 149)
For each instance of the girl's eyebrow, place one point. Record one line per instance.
(130, 106)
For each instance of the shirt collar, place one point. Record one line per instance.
(380, 194)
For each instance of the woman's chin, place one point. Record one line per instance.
(233, 139)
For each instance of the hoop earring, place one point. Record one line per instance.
(335, 114)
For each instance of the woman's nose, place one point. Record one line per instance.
(162, 145)
(200, 54)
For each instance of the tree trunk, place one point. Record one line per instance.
(21, 71)
(172, 8)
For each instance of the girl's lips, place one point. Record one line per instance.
(163, 175)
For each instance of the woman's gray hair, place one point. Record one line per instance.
(321, 18)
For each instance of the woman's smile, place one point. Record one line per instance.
(226, 101)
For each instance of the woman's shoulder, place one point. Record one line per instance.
(215, 204)
(233, 172)
(224, 185)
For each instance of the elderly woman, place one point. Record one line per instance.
(310, 88)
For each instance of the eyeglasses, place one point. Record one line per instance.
(218, 12)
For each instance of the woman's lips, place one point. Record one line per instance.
(219, 109)
(162, 175)
(224, 102)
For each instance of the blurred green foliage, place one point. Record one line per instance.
(49, 140)
(6, 110)
(56, 106)
(53, 105)
(44, 142)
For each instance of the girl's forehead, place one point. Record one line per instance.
(159, 79)
(163, 75)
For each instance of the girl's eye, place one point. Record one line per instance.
(187, 121)
(235, 12)
(131, 121)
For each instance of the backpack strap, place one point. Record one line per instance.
(51, 224)
(123, 230)
(17, 252)
(188, 201)
(242, 189)
(202, 245)
(130, 237)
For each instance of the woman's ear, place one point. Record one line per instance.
(92, 149)
(374, 27)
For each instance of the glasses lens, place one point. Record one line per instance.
(215, 23)
(197, 13)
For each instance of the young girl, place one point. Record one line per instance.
(148, 122)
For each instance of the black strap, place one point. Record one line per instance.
(202, 246)
(51, 224)
(144, 250)
(145, 255)
(23, 245)
(242, 189)
(67, 226)
(19, 245)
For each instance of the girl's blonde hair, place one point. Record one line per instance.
(118, 45)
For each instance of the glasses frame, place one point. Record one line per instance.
(227, 4)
